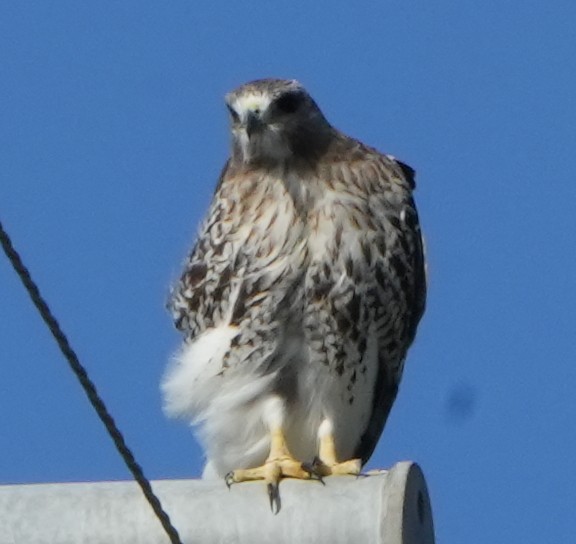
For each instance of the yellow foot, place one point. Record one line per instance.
(272, 471)
(321, 468)
(280, 464)
(327, 464)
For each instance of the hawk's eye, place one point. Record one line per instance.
(289, 102)
(235, 117)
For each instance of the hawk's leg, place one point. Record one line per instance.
(327, 463)
(279, 464)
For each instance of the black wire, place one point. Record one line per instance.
(87, 385)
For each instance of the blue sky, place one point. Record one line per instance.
(112, 135)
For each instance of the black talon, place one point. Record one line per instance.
(308, 467)
(314, 468)
(274, 496)
(229, 479)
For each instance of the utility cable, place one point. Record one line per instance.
(87, 385)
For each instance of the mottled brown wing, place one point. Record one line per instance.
(407, 265)
(191, 308)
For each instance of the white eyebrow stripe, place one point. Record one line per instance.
(250, 102)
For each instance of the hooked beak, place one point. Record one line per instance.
(253, 123)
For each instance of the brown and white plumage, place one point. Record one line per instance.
(303, 292)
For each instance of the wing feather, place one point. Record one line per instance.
(376, 292)
(400, 271)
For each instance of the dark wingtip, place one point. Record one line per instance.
(409, 173)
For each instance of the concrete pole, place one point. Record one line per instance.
(390, 507)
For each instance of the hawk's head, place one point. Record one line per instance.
(274, 120)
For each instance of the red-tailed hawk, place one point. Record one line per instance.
(300, 298)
